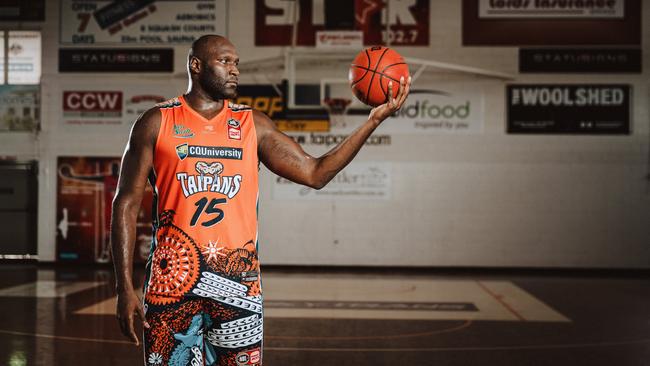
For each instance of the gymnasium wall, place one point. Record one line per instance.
(484, 198)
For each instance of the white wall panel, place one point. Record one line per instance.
(483, 199)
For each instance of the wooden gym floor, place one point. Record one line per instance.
(56, 315)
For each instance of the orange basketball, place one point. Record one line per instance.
(372, 70)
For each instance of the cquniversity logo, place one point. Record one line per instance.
(182, 151)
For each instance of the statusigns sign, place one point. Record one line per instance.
(409, 21)
(116, 60)
(569, 108)
(140, 22)
(585, 60)
(551, 22)
(535, 9)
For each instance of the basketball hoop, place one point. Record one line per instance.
(336, 108)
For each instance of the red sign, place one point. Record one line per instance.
(88, 103)
(409, 21)
(85, 190)
(252, 357)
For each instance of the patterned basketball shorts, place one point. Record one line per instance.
(201, 331)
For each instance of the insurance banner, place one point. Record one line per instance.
(535, 9)
(551, 23)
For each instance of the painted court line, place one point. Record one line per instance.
(380, 298)
(49, 289)
(327, 349)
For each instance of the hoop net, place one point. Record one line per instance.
(337, 105)
(336, 108)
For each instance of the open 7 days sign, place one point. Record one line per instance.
(572, 109)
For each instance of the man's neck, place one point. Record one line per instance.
(203, 104)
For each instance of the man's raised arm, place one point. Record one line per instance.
(137, 163)
(286, 158)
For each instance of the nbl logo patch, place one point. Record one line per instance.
(252, 357)
(234, 129)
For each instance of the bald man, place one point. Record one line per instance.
(200, 153)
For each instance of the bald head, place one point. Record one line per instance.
(205, 46)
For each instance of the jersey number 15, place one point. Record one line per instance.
(210, 209)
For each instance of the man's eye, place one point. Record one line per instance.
(228, 62)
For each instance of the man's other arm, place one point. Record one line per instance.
(286, 158)
(137, 162)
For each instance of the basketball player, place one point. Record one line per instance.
(200, 152)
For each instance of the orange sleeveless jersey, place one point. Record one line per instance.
(205, 182)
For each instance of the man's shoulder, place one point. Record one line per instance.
(148, 123)
(239, 107)
(169, 103)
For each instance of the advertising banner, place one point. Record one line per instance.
(409, 21)
(24, 54)
(140, 22)
(444, 110)
(569, 108)
(109, 108)
(534, 9)
(359, 180)
(116, 60)
(269, 100)
(19, 107)
(551, 23)
(85, 190)
(584, 60)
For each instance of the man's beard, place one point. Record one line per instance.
(215, 87)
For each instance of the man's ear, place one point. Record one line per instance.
(195, 65)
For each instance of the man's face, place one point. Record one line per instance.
(219, 75)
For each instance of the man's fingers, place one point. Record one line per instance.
(126, 326)
(405, 86)
(131, 332)
(390, 92)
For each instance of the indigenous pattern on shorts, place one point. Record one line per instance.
(202, 292)
(202, 332)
